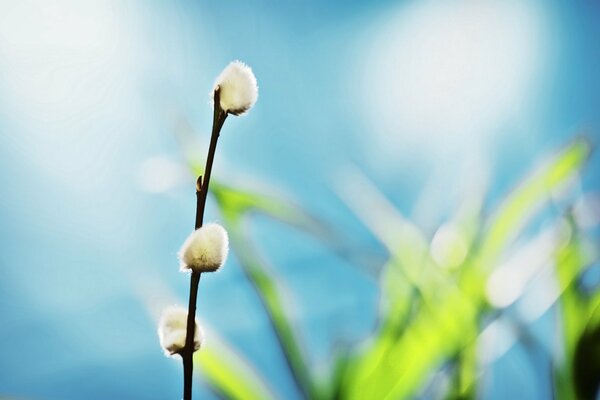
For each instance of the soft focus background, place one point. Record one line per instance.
(371, 117)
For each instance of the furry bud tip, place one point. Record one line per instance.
(205, 250)
(237, 88)
(172, 330)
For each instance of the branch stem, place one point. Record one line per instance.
(187, 353)
(188, 350)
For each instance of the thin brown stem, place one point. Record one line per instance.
(199, 203)
(187, 353)
(188, 350)
(219, 117)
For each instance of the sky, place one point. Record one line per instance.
(428, 100)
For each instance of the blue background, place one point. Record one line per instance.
(90, 95)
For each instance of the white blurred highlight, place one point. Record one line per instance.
(451, 71)
(508, 282)
(587, 210)
(160, 174)
(437, 198)
(154, 294)
(373, 208)
(449, 246)
(69, 79)
(543, 291)
(62, 54)
(540, 296)
(495, 340)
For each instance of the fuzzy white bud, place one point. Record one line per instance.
(237, 88)
(172, 330)
(205, 250)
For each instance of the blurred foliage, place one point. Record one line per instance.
(229, 374)
(433, 310)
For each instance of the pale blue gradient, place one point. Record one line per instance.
(88, 91)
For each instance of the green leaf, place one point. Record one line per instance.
(236, 203)
(516, 209)
(573, 314)
(397, 366)
(270, 294)
(577, 311)
(235, 206)
(228, 374)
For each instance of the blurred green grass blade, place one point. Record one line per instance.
(586, 363)
(334, 382)
(227, 374)
(568, 264)
(398, 298)
(467, 372)
(396, 304)
(531, 193)
(402, 238)
(270, 295)
(577, 311)
(396, 363)
(407, 246)
(237, 202)
(234, 206)
(397, 367)
(574, 313)
(436, 335)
